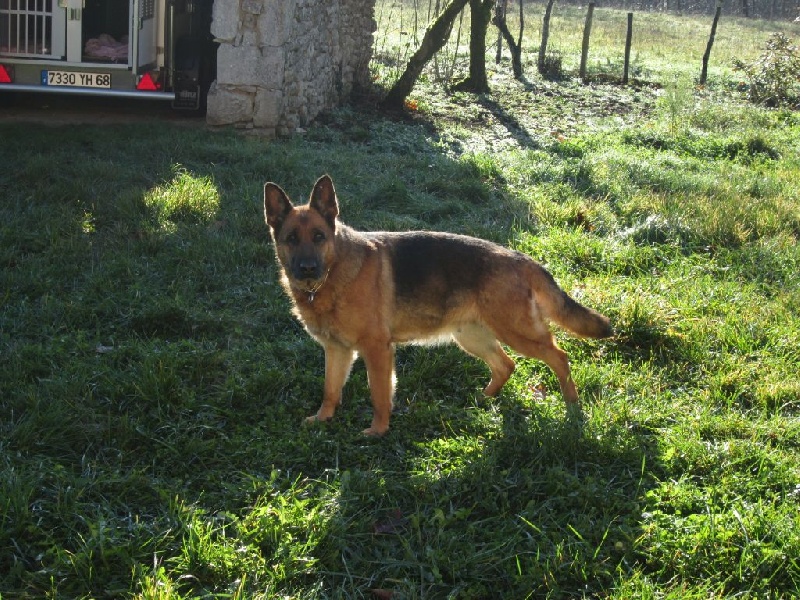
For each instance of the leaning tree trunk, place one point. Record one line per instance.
(545, 36)
(514, 46)
(587, 32)
(480, 16)
(707, 54)
(434, 39)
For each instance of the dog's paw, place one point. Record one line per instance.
(375, 433)
(315, 419)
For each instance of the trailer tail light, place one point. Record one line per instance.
(5, 76)
(148, 84)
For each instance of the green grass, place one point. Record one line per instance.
(153, 381)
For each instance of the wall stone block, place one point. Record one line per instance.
(250, 65)
(225, 22)
(282, 62)
(229, 106)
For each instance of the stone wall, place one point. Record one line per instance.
(281, 62)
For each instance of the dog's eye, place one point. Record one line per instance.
(292, 238)
(319, 237)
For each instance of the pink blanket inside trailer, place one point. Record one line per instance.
(105, 46)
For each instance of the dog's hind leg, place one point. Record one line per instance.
(545, 349)
(479, 341)
(338, 360)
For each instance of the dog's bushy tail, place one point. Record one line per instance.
(581, 320)
(573, 316)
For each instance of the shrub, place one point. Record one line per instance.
(773, 77)
(551, 67)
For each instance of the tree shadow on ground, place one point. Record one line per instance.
(547, 505)
(515, 129)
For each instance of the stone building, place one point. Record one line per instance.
(282, 62)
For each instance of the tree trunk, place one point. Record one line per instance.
(521, 32)
(480, 16)
(587, 32)
(707, 54)
(514, 47)
(500, 15)
(434, 39)
(545, 36)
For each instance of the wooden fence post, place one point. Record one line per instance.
(587, 30)
(707, 54)
(628, 38)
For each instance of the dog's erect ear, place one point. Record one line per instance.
(276, 205)
(323, 200)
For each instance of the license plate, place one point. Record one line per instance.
(76, 79)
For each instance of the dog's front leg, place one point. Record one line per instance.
(379, 359)
(338, 360)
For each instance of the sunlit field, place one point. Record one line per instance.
(153, 382)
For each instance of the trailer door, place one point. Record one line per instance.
(33, 28)
(144, 35)
(73, 12)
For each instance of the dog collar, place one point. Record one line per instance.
(312, 292)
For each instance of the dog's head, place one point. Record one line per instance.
(303, 235)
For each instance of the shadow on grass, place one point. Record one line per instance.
(543, 504)
(510, 122)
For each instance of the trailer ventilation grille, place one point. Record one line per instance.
(147, 9)
(26, 27)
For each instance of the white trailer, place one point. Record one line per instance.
(149, 49)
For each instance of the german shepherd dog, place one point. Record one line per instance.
(364, 292)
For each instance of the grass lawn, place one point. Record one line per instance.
(153, 381)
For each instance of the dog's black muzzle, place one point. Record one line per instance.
(306, 268)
